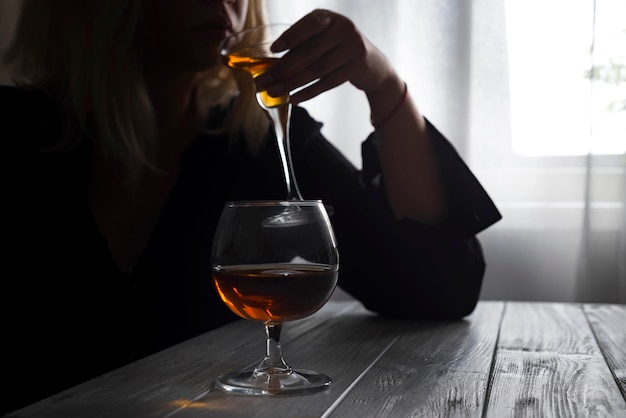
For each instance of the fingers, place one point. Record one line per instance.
(310, 25)
(325, 71)
(316, 88)
(296, 71)
(323, 46)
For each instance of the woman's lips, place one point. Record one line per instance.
(215, 29)
(216, 33)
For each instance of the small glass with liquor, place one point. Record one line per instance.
(250, 51)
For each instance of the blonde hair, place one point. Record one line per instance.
(88, 54)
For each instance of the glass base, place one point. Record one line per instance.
(294, 382)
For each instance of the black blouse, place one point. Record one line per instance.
(69, 314)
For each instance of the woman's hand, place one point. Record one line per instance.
(326, 50)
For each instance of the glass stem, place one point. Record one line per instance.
(281, 117)
(273, 363)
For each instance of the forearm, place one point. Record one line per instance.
(407, 159)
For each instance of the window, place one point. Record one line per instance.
(567, 69)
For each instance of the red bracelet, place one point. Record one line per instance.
(393, 112)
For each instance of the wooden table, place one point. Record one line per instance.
(506, 359)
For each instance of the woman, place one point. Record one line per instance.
(125, 137)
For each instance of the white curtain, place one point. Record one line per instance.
(507, 82)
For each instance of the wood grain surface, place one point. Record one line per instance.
(507, 359)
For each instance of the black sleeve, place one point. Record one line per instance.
(397, 268)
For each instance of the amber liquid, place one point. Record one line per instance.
(275, 292)
(256, 67)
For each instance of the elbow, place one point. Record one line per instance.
(456, 307)
(431, 308)
(448, 293)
